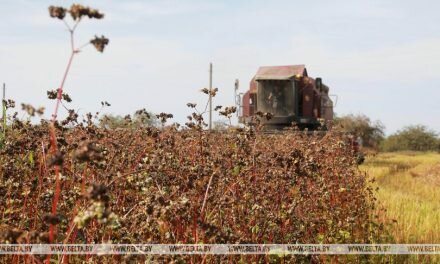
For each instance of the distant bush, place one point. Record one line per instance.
(371, 132)
(141, 118)
(416, 138)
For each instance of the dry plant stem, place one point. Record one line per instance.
(206, 194)
(53, 139)
(129, 211)
(71, 228)
(82, 46)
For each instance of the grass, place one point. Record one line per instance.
(409, 191)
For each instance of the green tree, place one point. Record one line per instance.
(372, 133)
(221, 125)
(416, 137)
(140, 118)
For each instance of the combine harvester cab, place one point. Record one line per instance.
(290, 95)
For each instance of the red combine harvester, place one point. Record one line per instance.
(293, 98)
(290, 95)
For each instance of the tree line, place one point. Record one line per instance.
(413, 137)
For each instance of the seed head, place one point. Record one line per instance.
(57, 12)
(78, 11)
(100, 43)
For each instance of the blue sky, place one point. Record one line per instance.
(379, 57)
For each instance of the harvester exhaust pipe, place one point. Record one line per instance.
(318, 84)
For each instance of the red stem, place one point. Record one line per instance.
(60, 92)
(53, 140)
